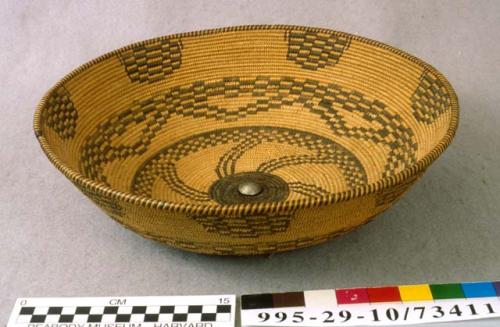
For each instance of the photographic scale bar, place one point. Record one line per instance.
(161, 311)
(429, 304)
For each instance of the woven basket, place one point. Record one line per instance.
(250, 139)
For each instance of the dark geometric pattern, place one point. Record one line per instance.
(350, 171)
(329, 101)
(310, 190)
(245, 226)
(253, 226)
(390, 195)
(106, 203)
(263, 247)
(168, 172)
(60, 113)
(227, 162)
(125, 314)
(313, 50)
(153, 61)
(430, 99)
(391, 131)
(162, 164)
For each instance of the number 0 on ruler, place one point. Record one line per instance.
(162, 311)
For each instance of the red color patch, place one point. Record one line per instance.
(384, 294)
(352, 295)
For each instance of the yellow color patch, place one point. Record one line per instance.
(415, 293)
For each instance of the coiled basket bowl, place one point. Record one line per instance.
(249, 139)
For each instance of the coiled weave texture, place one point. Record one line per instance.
(334, 126)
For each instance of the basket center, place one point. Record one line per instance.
(249, 187)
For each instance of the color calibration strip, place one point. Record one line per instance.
(374, 306)
(405, 293)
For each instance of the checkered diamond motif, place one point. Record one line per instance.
(247, 226)
(330, 102)
(125, 314)
(430, 99)
(162, 165)
(314, 50)
(154, 61)
(263, 247)
(60, 113)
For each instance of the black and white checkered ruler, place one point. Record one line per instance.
(150, 311)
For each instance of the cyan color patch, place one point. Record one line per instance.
(479, 289)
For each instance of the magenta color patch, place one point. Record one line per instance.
(352, 295)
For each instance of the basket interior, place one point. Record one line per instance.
(301, 112)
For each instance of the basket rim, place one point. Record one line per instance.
(250, 208)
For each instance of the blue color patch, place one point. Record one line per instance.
(479, 289)
(497, 287)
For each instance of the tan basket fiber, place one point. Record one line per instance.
(328, 129)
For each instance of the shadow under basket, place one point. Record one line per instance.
(249, 139)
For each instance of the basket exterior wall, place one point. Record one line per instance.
(307, 226)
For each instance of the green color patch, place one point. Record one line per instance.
(447, 291)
